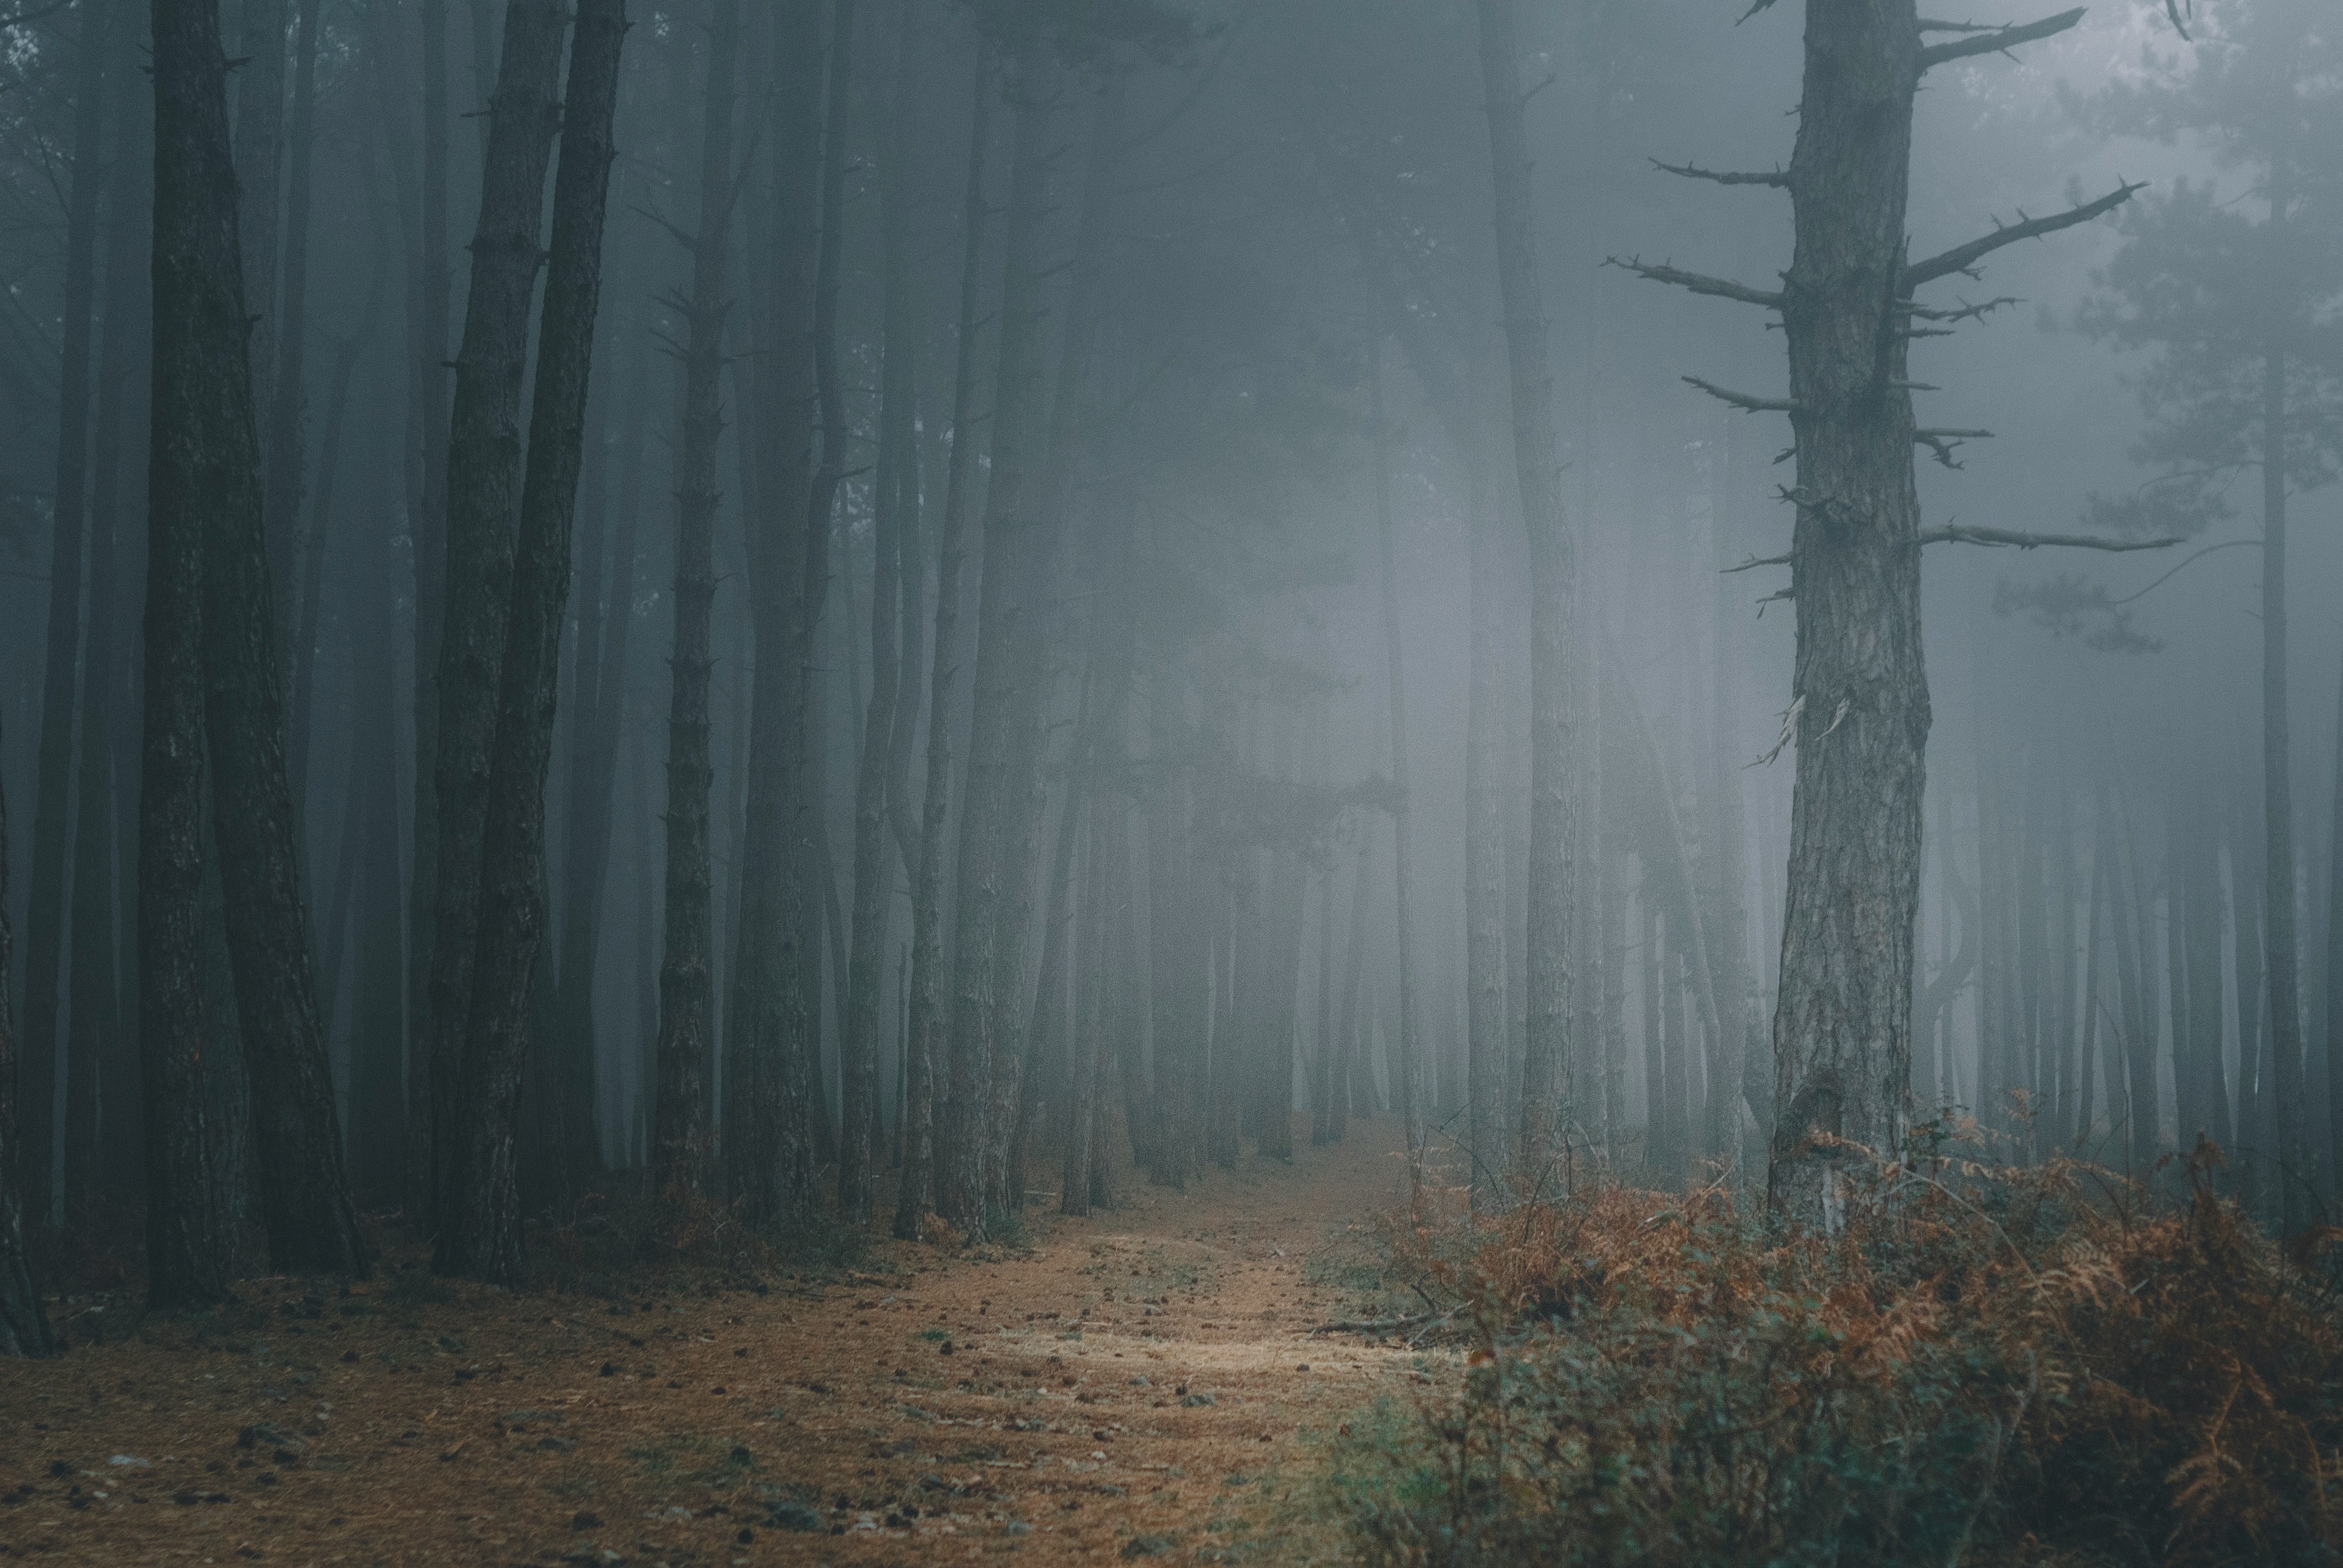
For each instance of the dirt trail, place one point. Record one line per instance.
(1116, 1390)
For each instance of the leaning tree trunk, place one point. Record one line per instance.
(198, 307)
(481, 1237)
(304, 1197)
(484, 454)
(1537, 463)
(24, 1322)
(53, 779)
(915, 1194)
(679, 1151)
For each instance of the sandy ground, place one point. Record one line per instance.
(1140, 1385)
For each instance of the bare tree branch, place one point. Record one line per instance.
(1988, 41)
(1699, 283)
(1944, 442)
(1961, 257)
(1754, 561)
(1779, 179)
(1743, 401)
(1955, 534)
(1967, 312)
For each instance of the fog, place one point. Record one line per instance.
(1216, 384)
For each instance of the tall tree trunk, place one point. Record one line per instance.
(916, 1194)
(1354, 1083)
(806, 1098)
(45, 915)
(1086, 1053)
(2335, 961)
(2205, 1029)
(280, 504)
(2135, 973)
(119, 437)
(198, 307)
(482, 1238)
(305, 1198)
(1036, 631)
(606, 626)
(347, 351)
(2181, 975)
(2278, 792)
(1658, 1135)
(92, 983)
(1842, 1014)
(378, 1131)
(1408, 1089)
(2087, 1044)
(687, 987)
(484, 456)
(419, 178)
(259, 169)
(1484, 864)
(24, 1322)
(768, 1136)
(1177, 956)
(988, 863)
(1553, 895)
(1614, 1007)
(877, 774)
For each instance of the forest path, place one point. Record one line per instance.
(1140, 1384)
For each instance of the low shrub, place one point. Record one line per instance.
(2040, 1365)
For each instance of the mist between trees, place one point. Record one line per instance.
(852, 613)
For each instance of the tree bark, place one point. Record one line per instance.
(375, 914)
(767, 1135)
(2334, 1043)
(1484, 867)
(1554, 894)
(2278, 796)
(280, 506)
(110, 685)
(92, 981)
(686, 1057)
(606, 625)
(1409, 1087)
(986, 902)
(347, 352)
(304, 1197)
(875, 774)
(198, 307)
(916, 1193)
(1842, 1021)
(45, 915)
(24, 1321)
(1178, 956)
(259, 168)
(483, 457)
(483, 1237)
